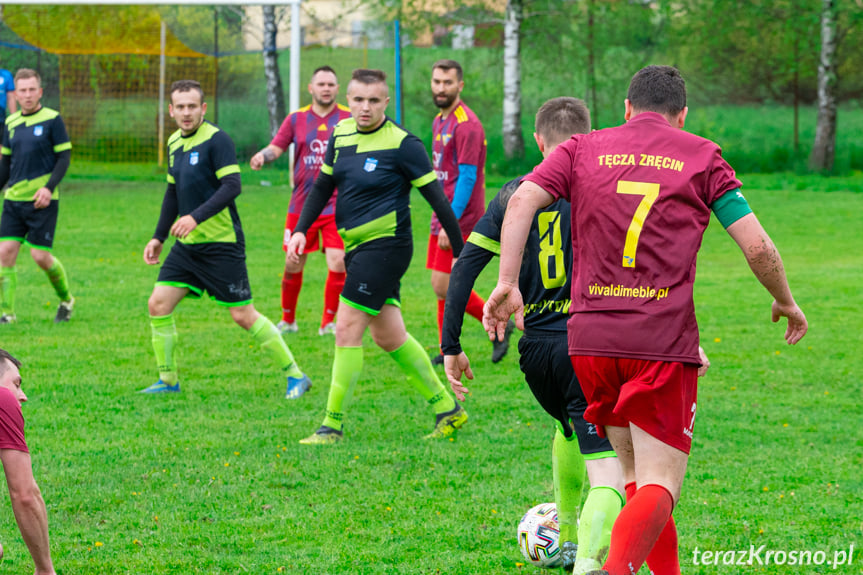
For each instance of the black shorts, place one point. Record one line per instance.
(374, 272)
(217, 268)
(548, 371)
(22, 222)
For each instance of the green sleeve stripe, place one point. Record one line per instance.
(62, 147)
(171, 179)
(228, 170)
(730, 207)
(484, 242)
(328, 170)
(426, 179)
(6, 151)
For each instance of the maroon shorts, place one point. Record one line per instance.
(438, 259)
(324, 226)
(657, 396)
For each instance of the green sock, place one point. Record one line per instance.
(568, 471)
(347, 366)
(601, 508)
(57, 275)
(164, 338)
(416, 364)
(268, 337)
(8, 286)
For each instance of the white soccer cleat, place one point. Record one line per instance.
(329, 329)
(285, 327)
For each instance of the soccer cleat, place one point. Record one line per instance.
(329, 329)
(446, 423)
(64, 311)
(568, 549)
(162, 387)
(586, 565)
(596, 572)
(285, 327)
(325, 435)
(8, 318)
(297, 386)
(437, 360)
(500, 347)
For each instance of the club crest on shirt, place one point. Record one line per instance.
(446, 138)
(370, 165)
(193, 159)
(37, 130)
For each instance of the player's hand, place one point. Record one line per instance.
(797, 325)
(257, 161)
(443, 241)
(454, 366)
(296, 247)
(42, 198)
(152, 251)
(183, 227)
(503, 302)
(705, 363)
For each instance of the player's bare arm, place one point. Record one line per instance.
(269, 154)
(506, 299)
(766, 263)
(455, 366)
(152, 251)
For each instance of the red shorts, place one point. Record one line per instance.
(438, 259)
(324, 226)
(657, 396)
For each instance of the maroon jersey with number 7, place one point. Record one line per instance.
(641, 196)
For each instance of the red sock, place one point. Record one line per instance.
(475, 305)
(291, 285)
(441, 304)
(637, 528)
(332, 291)
(663, 558)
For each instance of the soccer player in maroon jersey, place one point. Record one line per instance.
(309, 129)
(27, 502)
(458, 157)
(641, 195)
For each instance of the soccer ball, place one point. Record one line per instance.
(539, 536)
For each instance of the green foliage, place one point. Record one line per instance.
(214, 481)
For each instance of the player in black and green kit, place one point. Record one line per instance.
(374, 163)
(544, 283)
(35, 156)
(209, 255)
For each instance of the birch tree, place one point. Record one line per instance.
(824, 148)
(275, 92)
(513, 140)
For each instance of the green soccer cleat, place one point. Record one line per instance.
(325, 435)
(64, 311)
(447, 422)
(162, 387)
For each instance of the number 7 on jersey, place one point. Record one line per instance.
(650, 192)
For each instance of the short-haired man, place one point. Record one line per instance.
(642, 195)
(209, 254)
(36, 153)
(309, 129)
(27, 503)
(544, 281)
(458, 155)
(375, 163)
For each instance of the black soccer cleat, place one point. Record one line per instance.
(500, 347)
(437, 360)
(64, 311)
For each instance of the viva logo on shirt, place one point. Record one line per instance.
(193, 159)
(370, 165)
(37, 130)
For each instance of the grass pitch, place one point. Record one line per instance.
(214, 481)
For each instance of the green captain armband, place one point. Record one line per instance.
(730, 207)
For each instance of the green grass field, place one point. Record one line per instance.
(214, 481)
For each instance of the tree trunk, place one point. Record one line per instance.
(824, 149)
(513, 141)
(275, 93)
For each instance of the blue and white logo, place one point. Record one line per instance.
(370, 165)
(37, 131)
(193, 159)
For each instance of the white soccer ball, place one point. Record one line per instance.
(539, 536)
